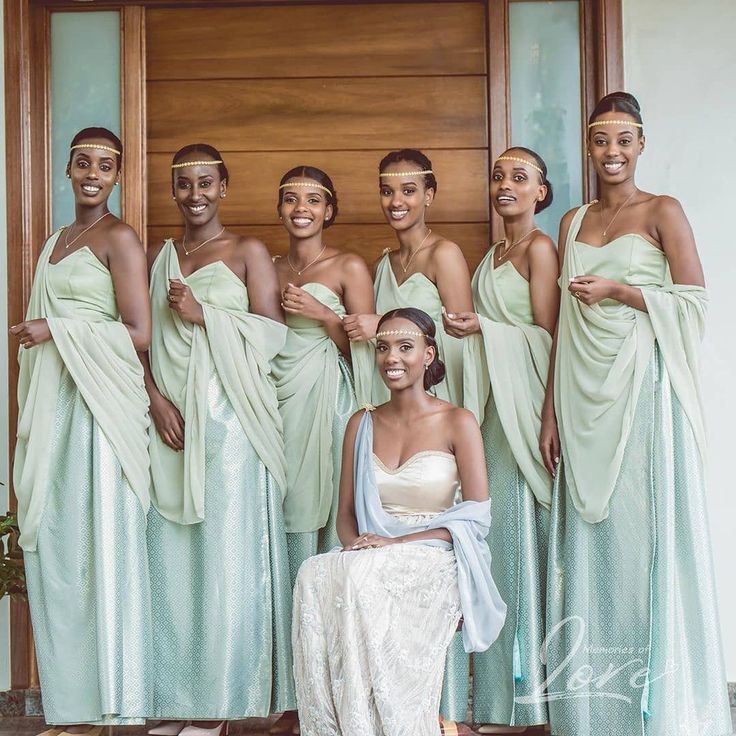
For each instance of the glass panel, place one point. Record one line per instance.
(544, 41)
(85, 91)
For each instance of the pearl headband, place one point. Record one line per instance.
(95, 145)
(411, 333)
(195, 163)
(521, 161)
(305, 184)
(614, 122)
(407, 173)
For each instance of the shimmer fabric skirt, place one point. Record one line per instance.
(371, 630)
(512, 670)
(220, 589)
(633, 635)
(302, 545)
(88, 580)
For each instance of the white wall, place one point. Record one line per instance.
(680, 62)
(4, 621)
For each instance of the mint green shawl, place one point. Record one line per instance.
(602, 355)
(510, 358)
(237, 345)
(77, 299)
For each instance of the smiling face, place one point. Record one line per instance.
(198, 190)
(401, 357)
(93, 172)
(615, 148)
(516, 187)
(404, 199)
(304, 208)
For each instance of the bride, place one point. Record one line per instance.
(373, 621)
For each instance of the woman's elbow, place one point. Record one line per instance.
(141, 337)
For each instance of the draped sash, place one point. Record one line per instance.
(416, 291)
(307, 375)
(90, 342)
(237, 345)
(602, 354)
(510, 358)
(468, 522)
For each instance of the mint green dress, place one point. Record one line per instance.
(82, 481)
(221, 592)
(505, 374)
(633, 635)
(316, 396)
(418, 291)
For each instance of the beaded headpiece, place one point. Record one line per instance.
(195, 163)
(614, 122)
(96, 145)
(305, 184)
(521, 161)
(410, 333)
(406, 173)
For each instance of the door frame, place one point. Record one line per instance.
(27, 101)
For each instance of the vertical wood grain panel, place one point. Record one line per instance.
(133, 116)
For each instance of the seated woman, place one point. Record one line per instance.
(372, 622)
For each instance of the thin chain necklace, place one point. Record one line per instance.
(311, 263)
(610, 222)
(502, 256)
(89, 227)
(411, 257)
(204, 242)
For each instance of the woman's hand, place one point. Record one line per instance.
(549, 444)
(460, 324)
(32, 333)
(168, 422)
(296, 300)
(182, 301)
(369, 541)
(361, 327)
(593, 289)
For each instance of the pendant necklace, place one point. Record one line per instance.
(502, 256)
(67, 244)
(421, 245)
(610, 222)
(204, 242)
(311, 263)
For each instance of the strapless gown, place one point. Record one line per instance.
(371, 628)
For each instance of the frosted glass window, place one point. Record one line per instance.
(544, 41)
(85, 92)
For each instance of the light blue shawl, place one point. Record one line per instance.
(468, 522)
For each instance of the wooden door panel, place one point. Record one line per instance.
(319, 113)
(316, 41)
(367, 240)
(462, 177)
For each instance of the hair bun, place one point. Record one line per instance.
(626, 97)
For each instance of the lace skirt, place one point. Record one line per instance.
(370, 634)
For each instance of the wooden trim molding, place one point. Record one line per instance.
(133, 116)
(26, 172)
(499, 102)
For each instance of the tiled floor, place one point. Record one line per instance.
(253, 727)
(32, 726)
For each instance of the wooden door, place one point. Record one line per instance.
(332, 86)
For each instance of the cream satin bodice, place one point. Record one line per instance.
(427, 483)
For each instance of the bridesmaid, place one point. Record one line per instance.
(372, 622)
(313, 377)
(516, 299)
(426, 271)
(217, 545)
(633, 638)
(81, 469)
